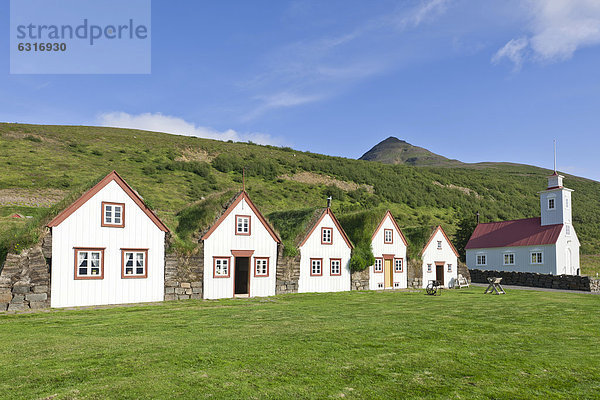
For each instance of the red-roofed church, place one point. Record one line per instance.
(546, 245)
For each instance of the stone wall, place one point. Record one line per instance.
(288, 273)
(360, 280)
(570, 282)
(25, 281)
(184, 275)
(414, 273)
(464, 271)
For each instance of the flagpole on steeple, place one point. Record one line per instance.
(555, 156)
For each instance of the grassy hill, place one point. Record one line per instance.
(187, 180)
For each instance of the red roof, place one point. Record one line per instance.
(520, 232)
(325, 212)
(242, 196)
(113, 176)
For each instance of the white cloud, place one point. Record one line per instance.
(158, 122)
(514, 50)
(308, 71)
(557, 28)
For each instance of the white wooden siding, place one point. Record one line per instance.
(223, 240)
(431, 255)
(397, 248)
(554, 258)
(82, 229)
(313, 248)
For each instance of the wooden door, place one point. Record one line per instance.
(439, 272)
(388, 274)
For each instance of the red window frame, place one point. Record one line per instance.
(331, 260)
(89, 249)
(311, 269)
(215, 258)
(401, 265)
(249, 225)
(330, 235)
(104, 224)
(391, 231)
(256, 274)
(123, 251)
(375, 265)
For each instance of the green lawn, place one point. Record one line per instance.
(462, 344)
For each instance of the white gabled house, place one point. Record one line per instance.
(440, 259)
(108, 247)
(545, 245)
(240, 253)
(325, 256)
(389, 248)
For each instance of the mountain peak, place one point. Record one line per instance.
(396, 151)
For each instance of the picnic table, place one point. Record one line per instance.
(494, 286)
(433, 287)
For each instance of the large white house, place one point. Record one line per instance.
(325, 256)
(546, 245)
(440, 259)
(107, 248)
(240, 253)
(389, 248)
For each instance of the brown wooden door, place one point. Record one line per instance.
(439, 272)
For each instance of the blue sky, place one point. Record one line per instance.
(475, 80)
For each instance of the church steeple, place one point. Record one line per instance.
(555, 201)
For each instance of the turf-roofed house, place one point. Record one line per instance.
(240, 252)
(545, 245)
(389, 248)
(108, 247)
(325, 252)
(439, 259)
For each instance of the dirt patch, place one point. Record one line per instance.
(316, 179)
(462, 189)
(30, 198)
(191, 154)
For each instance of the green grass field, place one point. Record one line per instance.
(463, 344)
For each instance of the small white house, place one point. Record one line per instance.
(325, 256)
(545, 245)
(389, 248)
(240, 253)
(440, 259)
(107, 248)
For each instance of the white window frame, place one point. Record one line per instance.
(378, 266)
(537, 252)
(398, 262)
(439, 245)
(507, 255)
(326, 235)
(385, 236)
(552, 200)
(449, 268)
(89, 268)
(429, 268)
(339, 266)
(242, 225)
(261, 266)
(109, 212)
(222, 267)
(316, 267)
(567, 229)
(135, 258)
(479, 258)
